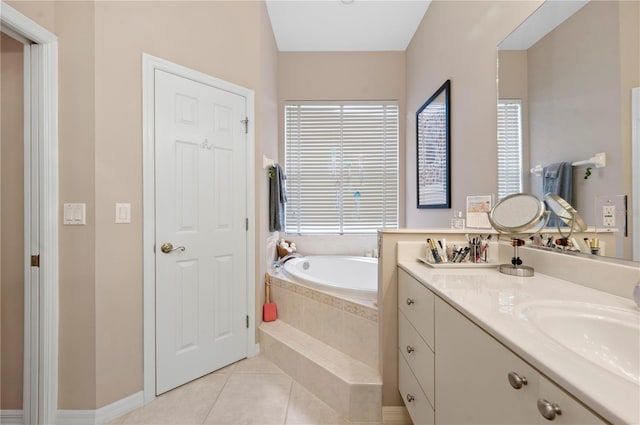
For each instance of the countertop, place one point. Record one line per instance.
(493, 301)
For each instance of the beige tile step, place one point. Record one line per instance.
(349, 386)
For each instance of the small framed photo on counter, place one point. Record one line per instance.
(478, 207)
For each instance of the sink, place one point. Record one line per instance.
(605, 335)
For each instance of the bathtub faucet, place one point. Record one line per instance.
(287, 257)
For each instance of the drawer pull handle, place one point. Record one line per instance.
(410, 349)
(410, 398)
(410, 301)
(548, 410)
(516, 380)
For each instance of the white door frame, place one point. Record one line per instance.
(635, 172)
(40, 395)
(149, 65)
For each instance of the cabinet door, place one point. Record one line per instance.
(471, 369)
(571, 411)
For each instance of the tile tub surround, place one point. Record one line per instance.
(346, 325)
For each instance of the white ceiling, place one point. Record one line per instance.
(544, 20)
(345, 25)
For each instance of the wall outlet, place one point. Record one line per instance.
(609, 215)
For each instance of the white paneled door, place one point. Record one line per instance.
(201, 253)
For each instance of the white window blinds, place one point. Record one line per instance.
(509, 147)
(341, 162)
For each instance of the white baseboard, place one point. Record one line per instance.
(76, 417)
(101, 415)
(397, 415)
(120, 407)
(256, 350)
(11, 417)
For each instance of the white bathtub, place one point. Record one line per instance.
(353, 276)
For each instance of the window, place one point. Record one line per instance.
(341, 162)
(509, 147)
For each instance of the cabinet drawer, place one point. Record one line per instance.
(417, 304)
(419, 408)
(573, 412)
(418, 355)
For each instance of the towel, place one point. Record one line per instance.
(277, 198)
(557, 178)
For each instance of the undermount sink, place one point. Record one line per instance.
(605, 335)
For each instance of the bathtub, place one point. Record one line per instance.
(351, 276)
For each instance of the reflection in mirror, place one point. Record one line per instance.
(515, 215)
(565, 214)
(565, 80)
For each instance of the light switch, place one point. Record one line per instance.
(123, 213)
(75, 214)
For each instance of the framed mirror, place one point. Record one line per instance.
(433, 130)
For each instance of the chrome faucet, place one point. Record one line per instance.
(282, 260)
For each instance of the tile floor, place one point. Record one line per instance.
(250, 392)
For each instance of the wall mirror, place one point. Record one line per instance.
(570, 69)
(433, 130)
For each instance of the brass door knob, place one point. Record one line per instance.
(167, 248)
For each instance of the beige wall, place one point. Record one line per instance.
(595, 66)
(343, 76)
(77, 329)
(266, 144)
(457, 40)
(223, 39)
(100, 146)
(11, 224)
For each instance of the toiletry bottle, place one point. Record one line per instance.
(457, 222)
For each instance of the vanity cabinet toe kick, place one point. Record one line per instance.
(451, 371)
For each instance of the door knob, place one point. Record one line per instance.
(168, 247)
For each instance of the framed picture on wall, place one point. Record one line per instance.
(433, 134)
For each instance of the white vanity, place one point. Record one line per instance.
(480, 347)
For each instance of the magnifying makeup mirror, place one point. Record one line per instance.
(515, 215)
(566, 214)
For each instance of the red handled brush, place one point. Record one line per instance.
(269, 312)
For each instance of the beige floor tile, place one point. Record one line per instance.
(117, 421)
(307, 409)
(228, 369)
(185, 405)
(257, 364)
(248, 399)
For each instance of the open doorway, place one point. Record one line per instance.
(12, 221)
(31, 231)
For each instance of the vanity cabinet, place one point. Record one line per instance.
(476, 379)
(416, 341)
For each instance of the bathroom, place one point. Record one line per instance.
(100, 268)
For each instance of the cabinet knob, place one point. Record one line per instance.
(410, 398)
(516, 380)
(548, 410)
(410, 301)
(410, 349)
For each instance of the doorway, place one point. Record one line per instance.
(40, 217)
(175, 260)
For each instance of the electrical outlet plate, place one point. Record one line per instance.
(611, 212)
(609, 215)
